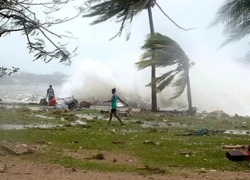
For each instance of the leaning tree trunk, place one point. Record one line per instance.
(153, 87)
(190, 106)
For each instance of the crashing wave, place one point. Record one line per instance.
(22, 98)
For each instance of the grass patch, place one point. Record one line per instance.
(204, 151)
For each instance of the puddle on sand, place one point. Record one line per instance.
(154, 124)
(238, 132)
(20, 126)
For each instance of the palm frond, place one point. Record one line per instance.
(161, 78)
(180, 84)
(149, 63)
(235, 15)
(165, 83)
(123, 11)
(146, 63)
(146, 55)
(159, 39)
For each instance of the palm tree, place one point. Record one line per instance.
(235, 15)
(124, 11)
(167, 53)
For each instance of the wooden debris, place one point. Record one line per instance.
(185, 153)
(151, 142)
(99, 156)
(41, 141)
(18, 149)
(233, 147)
(150, 169)
(10, 150)
(117, 141)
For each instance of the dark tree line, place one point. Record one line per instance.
(24, 78)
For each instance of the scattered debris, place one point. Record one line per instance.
(18, 149)
(203, 131)
(238, 155)
(143, 110)
(43, 117)
(151, 142)
(244, 124)
(41, 141)
(238, 132)
(117, 141)
(153, 170)
(79, 123)
(185, 134)
(129, 111)
(73, 170)
(203, 170)
(43, 102)
(138, 122)
(113, 131)
(104, 112)
(123, 114)
(233, 147)
(60, 111)
(3, 107)
(219, 113)
(185, 153)
(61, 107)
(3, 169)
(99, 156)
(85, 104)
(71, 103)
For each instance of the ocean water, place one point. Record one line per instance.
(24, 93)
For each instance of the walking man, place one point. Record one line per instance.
(113, 101)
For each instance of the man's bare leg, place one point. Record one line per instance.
(110, 117)
(118, 118)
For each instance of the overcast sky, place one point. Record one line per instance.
(217, 81)
(94, 40)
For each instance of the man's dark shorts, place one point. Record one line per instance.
(113, 110)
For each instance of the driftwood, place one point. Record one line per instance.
(10, 150)
(17, 150)
(233, 147)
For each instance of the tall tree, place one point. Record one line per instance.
(20, 16)
(124, 11)
(154, 106)
(161, 51)
(234, 14)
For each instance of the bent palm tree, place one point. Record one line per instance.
(235, 15)
(167, 53)
(124, 11)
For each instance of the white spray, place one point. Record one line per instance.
(218, 82)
